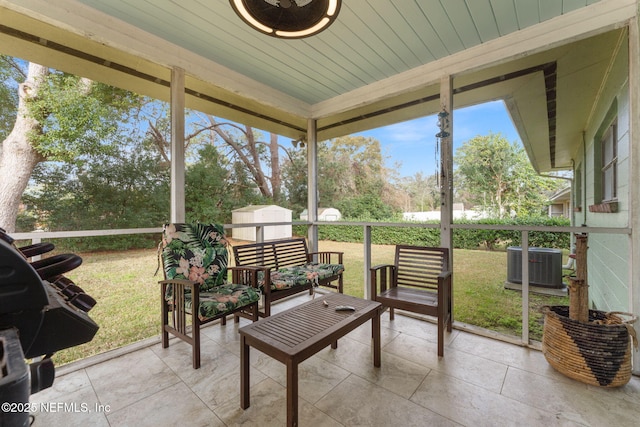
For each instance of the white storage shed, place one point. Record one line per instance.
(255, 214)
(324, 214)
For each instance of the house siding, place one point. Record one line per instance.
(608, 254)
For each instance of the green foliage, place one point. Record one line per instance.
(351, 177)
(493, 239)
(123, 190)
(77, 117)
(462, 238)
(207, 188)
(368, 207)
(498, 176)
(10, 77)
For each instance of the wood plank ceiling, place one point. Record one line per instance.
(379, 63)
(371, 40)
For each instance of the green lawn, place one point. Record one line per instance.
(128, 310)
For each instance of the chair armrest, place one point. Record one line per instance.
(181, 284)
(384, 275)
(325, 257)
(379, 266)
(444, 275)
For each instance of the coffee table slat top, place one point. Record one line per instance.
(300, 330)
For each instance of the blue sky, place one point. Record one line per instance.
(413, 143)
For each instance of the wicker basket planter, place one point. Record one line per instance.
(597, 352)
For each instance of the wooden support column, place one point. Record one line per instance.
(579, 285)
(177, 146)
(312, 183)
(446, 169)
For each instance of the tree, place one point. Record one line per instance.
(498, 176)
(351, 177)
(422, 191)
(246, 146)
(213, 190)
(58, 117)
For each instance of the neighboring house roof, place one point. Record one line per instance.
(562, 195)
(255, 208)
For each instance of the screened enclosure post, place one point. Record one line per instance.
(312, 184)
(367, 262)
(177, 146)
(525, 287)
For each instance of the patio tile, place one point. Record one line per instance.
(479, 382)
(316, 377)
(225, 335)
(269, 409)
(502, 352)
(220, 383)
(418, 328)
(130, 378)
(589, 405)
(363, 334)
(474, 369)
(357, 402)
(70, 402)
(172, 406)
(396, 374)
(472, 405)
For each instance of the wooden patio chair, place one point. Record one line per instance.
(420, 282)
(195, 290)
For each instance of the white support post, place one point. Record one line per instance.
(177, 146)
(367, 262)
(634, 175)
(525, 287)
(446, 169)
(312, 183)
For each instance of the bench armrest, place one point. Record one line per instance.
(248, 275)
(325, 257)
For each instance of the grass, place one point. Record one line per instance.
(128, 310)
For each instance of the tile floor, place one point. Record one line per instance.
(479, 382)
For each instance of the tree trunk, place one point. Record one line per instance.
(578, 287)
(18, 158)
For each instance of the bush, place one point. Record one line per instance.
(462, 238)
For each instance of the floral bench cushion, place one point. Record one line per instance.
(288, 277)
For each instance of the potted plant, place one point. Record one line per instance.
(590, 346)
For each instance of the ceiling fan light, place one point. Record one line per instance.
(304, 33)
(288, 19)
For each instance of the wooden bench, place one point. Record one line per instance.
(287, 268)
(419, 281)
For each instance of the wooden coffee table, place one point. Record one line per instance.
(294, 335)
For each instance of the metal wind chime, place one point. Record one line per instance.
(443, 124)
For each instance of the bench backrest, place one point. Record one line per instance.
(420, 266)
(196, 252)
(275, 254)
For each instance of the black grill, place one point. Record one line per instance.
(41, 312)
